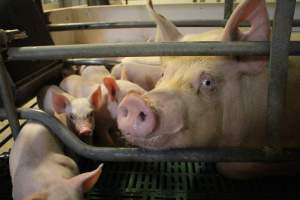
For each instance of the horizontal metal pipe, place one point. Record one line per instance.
(142, 24)
(138, 154)
(144, 49)
(91, 61)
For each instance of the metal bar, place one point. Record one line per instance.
(228, 8)
(278, 69)
(92, 61)
(142, 24)
(138, 154)
(27, 90)
(144, 49)
(8, 99)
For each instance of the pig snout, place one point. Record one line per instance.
(135, 117)
(85, 131)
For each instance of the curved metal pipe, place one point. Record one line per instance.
(138, 154)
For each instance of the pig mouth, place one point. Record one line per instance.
(153, 141)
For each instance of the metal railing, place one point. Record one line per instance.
(278, 66)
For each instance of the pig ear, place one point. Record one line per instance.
(60, 102)
(37, 196)
(96, 98)
(112, 87)
(166, 31)
(254, 12)
(124, 74)
(86, 181)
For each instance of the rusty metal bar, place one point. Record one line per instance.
(278, 69)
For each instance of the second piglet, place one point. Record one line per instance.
(76, 113)
(112, 92)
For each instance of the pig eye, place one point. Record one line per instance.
(205, 84)
(90, 115)
(72, 116)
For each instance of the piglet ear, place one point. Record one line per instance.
(86, 181)
(112, 87)
(124, 73)
(60, 102)
(37, 196)
(96, 98)
(166, 31)
(254, 12)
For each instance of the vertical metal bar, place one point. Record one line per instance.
(228, 8)
(282, 26)
(8, 100)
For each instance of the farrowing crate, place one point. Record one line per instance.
(174, 179)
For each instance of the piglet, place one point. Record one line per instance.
(144, 71)
(76, 113)
(40, 171)
(94, 74)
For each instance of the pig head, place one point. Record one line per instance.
(203, 100)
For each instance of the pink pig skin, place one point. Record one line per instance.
(112, 92)
(75, 113)
(213, 101)
(40, 170)
(143, 71)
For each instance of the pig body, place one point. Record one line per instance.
(212, 101)
(94, 74)
(145, 71)
(40, 170)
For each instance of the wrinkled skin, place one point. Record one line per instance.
(210, 101)
(40, 170)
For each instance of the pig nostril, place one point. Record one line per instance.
(142, 116)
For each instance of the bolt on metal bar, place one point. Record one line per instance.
(141, 24)
(281, 33)
(8, 100)
(138, 154)
(144, 49)
(228, 8)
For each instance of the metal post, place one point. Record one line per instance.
(8, 100)
(228, 8)
(278, 69)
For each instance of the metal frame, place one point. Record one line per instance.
(280, 39)
(143, 24)
(144, 49)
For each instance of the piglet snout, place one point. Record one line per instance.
(85, 131)
(135, 117)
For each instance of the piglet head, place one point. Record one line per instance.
(79, 112)
(117, 90)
